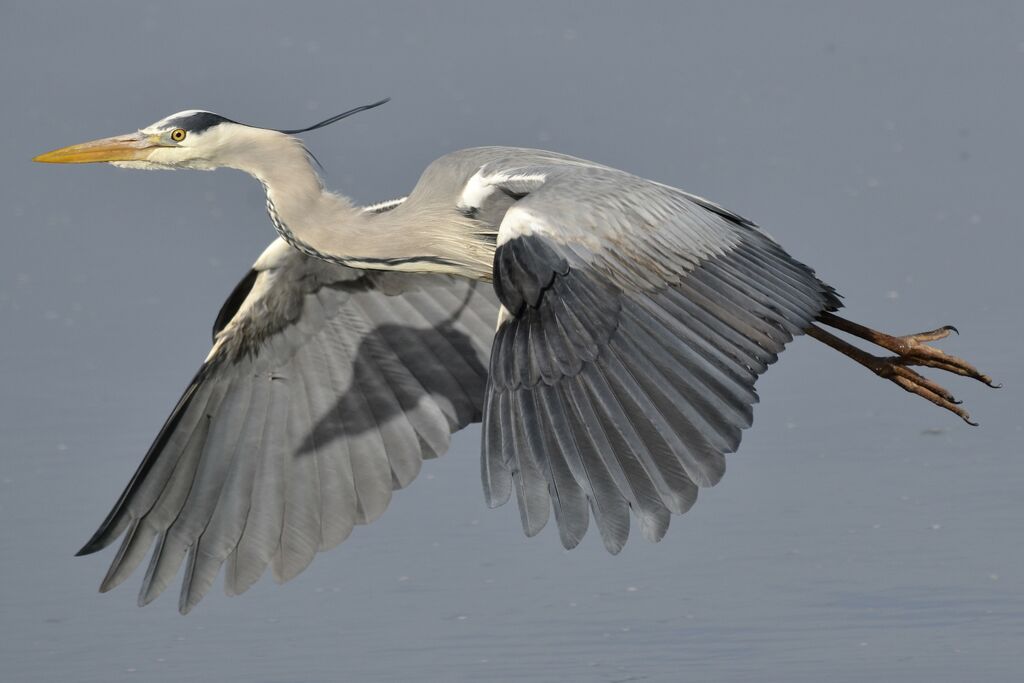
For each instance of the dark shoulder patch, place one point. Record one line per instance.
(523, 268)
(234, 302)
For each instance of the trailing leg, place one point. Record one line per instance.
(911, 349)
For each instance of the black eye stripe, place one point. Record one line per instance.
(198, 122)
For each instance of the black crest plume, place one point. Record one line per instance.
(338, 117)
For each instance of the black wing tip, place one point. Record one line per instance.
(102, 536)
(94, 545)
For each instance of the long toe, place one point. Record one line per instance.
(929, 356)
(927, 389)
(930, 335)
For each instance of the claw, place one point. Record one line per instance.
(912, 340)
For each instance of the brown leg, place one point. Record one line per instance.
(910, 350)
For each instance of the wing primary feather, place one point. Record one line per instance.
(137, 539)
(383, 381)
(625, 467)
(567, 498)
(262, 531)
(497, 478)
(752, 301)
(220, 539)
(300, 527)
(443, 338)
(744, 340)
(659, 474)
(534, 501)
(387, 347)
(702, 348)
(190, 404)
(697, 357)
(702, 463)
(339, 367)
(720, 417)
(170, 549)
(610, 509)
(210, 535)
(337, 489)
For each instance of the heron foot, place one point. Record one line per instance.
(910, 350)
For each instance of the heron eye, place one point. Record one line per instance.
(178, 134)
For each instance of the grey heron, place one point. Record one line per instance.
(612, 363)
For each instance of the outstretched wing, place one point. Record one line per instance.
(636, 319)
(325, 388)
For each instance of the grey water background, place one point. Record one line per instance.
(859, 533)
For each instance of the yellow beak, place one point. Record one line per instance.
(131, 147)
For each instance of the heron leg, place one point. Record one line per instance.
(911, 349)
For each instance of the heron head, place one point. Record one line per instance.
(189, 139)
(193, 139)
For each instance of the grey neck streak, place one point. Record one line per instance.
(288, 236)
(293, 241)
